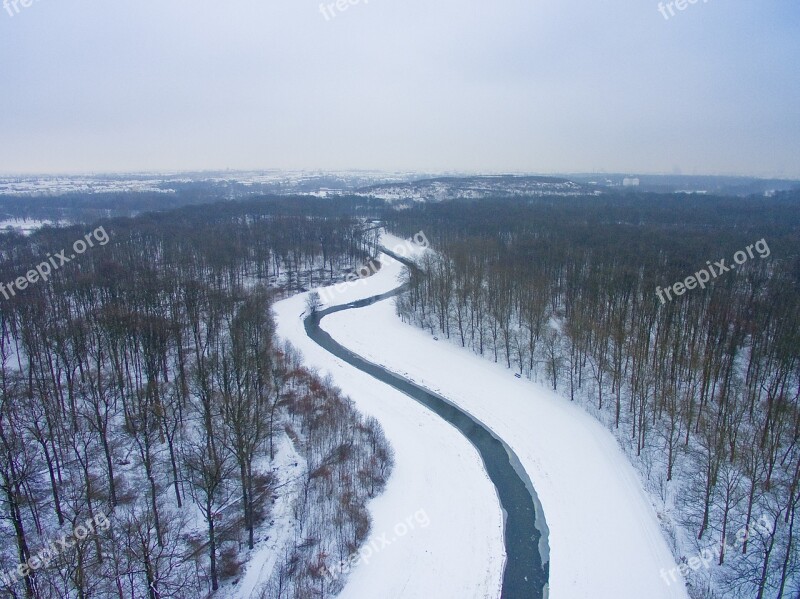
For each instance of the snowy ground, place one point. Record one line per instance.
(439, 513)
(605, 541)
(290, 467)
(26, 226)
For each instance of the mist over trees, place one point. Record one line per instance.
(703, 391)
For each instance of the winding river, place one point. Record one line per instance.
(525, 532)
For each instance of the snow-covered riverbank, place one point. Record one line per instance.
(605, 541)
(460, 553)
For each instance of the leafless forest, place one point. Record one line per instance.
(143, 383)
(703, 390)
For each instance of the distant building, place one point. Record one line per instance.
(630, 182)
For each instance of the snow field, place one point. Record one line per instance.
(605, 540)
(438, 473)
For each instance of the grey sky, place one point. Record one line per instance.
(534, 86)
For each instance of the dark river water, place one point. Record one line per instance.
(525, 574)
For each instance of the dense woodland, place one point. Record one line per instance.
(702, 391)
(143, 383)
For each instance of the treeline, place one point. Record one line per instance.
(88, 207)
(704, 390)
(143, 382)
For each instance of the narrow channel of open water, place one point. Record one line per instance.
(526, 569)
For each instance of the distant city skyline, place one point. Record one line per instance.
(524, 87)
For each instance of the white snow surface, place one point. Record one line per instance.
(26, 226)
(605, 540)
(290, 468)
(438, 477)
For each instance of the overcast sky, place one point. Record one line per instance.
(431, 85)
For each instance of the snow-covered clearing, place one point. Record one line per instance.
(25, 226)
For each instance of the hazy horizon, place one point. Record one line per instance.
(413, 173)
(547, 88)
